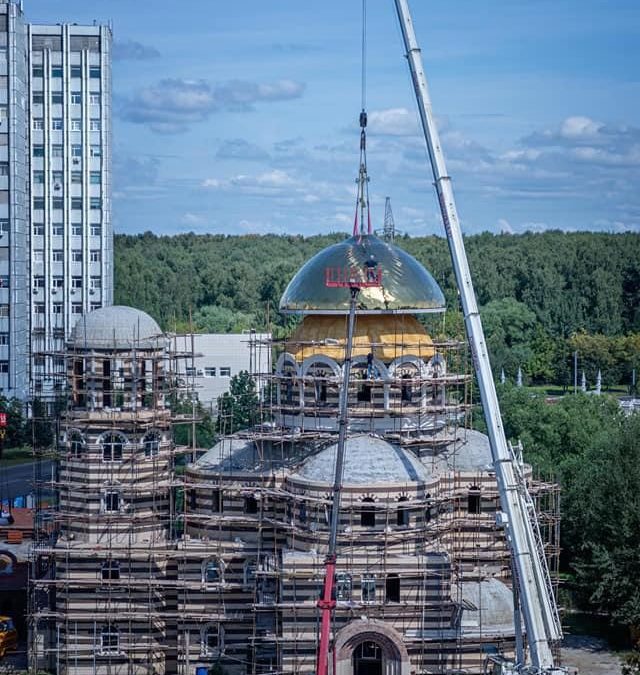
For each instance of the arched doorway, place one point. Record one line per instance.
(367, 658)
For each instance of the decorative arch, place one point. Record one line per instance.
(377, 363)
(436, 366)
(112, 444)
(286, 359)
(395, 658)
(320, 360)
(76, 442)
(408, 359)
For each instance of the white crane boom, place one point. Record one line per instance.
(538, 604)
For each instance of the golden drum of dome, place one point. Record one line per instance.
(388, 336)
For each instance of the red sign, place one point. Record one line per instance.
(3, 420)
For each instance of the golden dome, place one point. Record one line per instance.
(387, 336)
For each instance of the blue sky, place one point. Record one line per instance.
(241, 117)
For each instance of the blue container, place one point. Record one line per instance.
(202, 670)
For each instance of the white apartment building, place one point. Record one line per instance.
(56, 239)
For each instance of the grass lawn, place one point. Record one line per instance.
(19, 455)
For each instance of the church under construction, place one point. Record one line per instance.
(154, 557)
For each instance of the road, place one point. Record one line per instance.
(17, 481)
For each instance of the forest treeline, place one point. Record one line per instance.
(543, 295)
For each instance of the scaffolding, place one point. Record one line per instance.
(157, 557)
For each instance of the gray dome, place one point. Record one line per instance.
(406, 287)
(116, 327)
(488, 608)
(368, 460)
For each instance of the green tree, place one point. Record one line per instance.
(238, 408)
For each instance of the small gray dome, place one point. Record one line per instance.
(406, 287)
(368, 460)
(116, 327)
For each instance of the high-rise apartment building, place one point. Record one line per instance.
(56, 251)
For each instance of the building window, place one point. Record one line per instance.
(4, 367)
(96, 230)
(76, 308)
(95, 203)
(364, 393)
(56, 98)
(250, 504)
(56, 151)
(96, 256)
(209, 371)
(76, 125)
(4, 168)
(76, 231)
(211, 640)
(112, 445)
(406, 390)
(38, 151)
(57, 179)
(76, 283)
(4, 310)
(95, 177)
(110, 639)
(38, 202)
(402, 513)
(76, 97)
(216, 501)
(303, 512)
(94, 125)
(4, 281)
(76, 71)
(367, 513)
(4, 226)
(392, 588)
(57, 256)
(225, 371)
(76, 443)
(57, 308)
(368, 589)
(38, 308)
(76, 150)
(95, 283)
(94, 72)
(474, 504)
(38, 98)
(76, 256)
(58, 282)
(151, 443)
(110, 569)
(38, 255)
(76, 202)
(111, 500)
(76, 177)
(56, 124)
(211, 572)
(95, 151)
(37, 71)
(38, 124)
(57, 203)
(94, 99)
(344, 586)
(4, 339)
(56, 71)
(95, 305)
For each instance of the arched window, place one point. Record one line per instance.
(368, 513)
(406, 389)
(111, 499)
(112, 445)
(321, 390)
(474, 502)
(211, 640)
(211, 571)
(402, 513)
(151, 444)
(110, 639)
(76, 444)
(368, 588)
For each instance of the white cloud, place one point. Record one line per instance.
(393, 122)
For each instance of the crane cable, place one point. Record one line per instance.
(362, 198)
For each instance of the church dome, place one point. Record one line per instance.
(406, 285)
(368, 461)
(116, 327)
